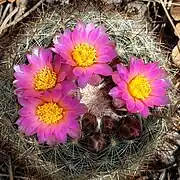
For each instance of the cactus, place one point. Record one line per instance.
(98, 152)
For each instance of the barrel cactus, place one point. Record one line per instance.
(113, 142)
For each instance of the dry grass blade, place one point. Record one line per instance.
(2, 1)
(169, 17)
(2, 27)
(18, 17)
(10, 170)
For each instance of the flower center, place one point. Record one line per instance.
(84, 55)
(50, 113)
(139, 87)
(45, 79)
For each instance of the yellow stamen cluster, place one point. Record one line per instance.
(45, 79)
(84, 55)
(50, 113)
(139, 87)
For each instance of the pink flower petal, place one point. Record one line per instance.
(160, 83)
(52, 141)
(102, 69)
(31, 130)
(126, 95)
(45, 129)
(157, 74)
(63, 72)
(136, 66)
(83, 80)
(80, 25)
(27, 68)
(19, 92)
(103, 39)
(27, 75)
(41, 136)
(94, 36)
(55, 50)
(89, 27)
(153, 71)
(35, 61)
(88, 71)
(26, 121)
(158, 101)
(56, 95)
(29, 101)
(78, 71)
(102, 29)
(70, 75)
(116, 78)
(130, 104)
(22, 101)
(24, 83)
(58, 60)
(123, 86)
(32, 93)
(104, 59)
(158, 91)
(74, 133)
(108, 50)
(95, 80)
(123, 72)
(106, 54)
(73, 123)
(145, 112)
(61, 134)
(79, 34)
(17, 68)
(150, 67)
(123, 89)
(118, 102)
(75, 37)
(65, 53)
(45, 56)
(35, 51)
(73, 106)
(67, 32)
(149, 102)
(68, 86)
(18, 122)
(139, 105)
(76, 109)
(26, 111)
(115, 92)
(66, 41)
(47, 96)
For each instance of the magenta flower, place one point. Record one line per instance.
(89, 50)
(52, 117)
(41, 74)
(140, 86)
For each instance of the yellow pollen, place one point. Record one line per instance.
(50, 113)
(139, 87)
(84, 55)
(45, 79)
